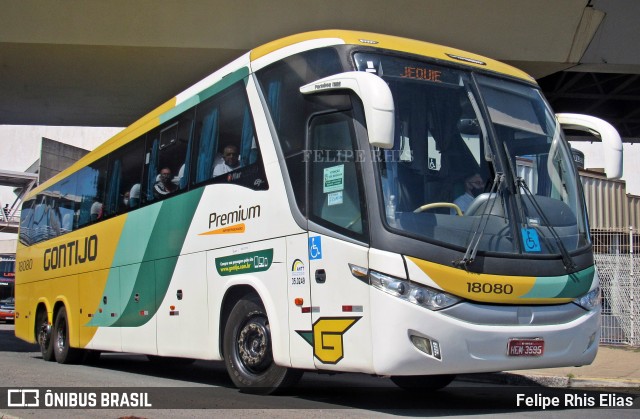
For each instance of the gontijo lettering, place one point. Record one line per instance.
(72, 253)
(241, 214)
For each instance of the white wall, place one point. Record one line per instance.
(593, 158)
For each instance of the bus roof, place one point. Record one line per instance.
(394, 43)
(274, 51)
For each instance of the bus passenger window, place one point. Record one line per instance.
(225, 137)
(90, 189)
(169, 153)
(124, 173)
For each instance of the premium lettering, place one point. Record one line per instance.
(71, 253)
(241, 214)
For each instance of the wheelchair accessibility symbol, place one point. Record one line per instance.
(315, 248)
(530, 240)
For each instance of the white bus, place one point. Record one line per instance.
(334, 200)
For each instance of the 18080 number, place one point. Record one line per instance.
(487, 288)
(25, 265)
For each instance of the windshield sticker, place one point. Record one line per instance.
(530, 240)
(244, 263)
(315, 248)
(334, 198)
(333, 179)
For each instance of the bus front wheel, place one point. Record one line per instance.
(247, 350)
(64, 353)
(422, 382)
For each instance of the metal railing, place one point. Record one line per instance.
(618, 265)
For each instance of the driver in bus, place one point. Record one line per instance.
(473, 186)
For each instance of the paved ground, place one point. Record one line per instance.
(613, 367)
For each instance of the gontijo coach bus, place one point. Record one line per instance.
(331, 241)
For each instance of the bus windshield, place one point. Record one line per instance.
(476, 158)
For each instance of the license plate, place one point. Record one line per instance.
(525, 347)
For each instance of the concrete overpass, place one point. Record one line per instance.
(106, 63)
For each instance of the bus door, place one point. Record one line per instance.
(337, 230)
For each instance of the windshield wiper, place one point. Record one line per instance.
(472, 249)
(567, 261)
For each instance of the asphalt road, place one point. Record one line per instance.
(204, 390)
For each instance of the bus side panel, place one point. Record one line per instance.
(261, 266)
(341, 309)
(140, 299)
(107, 312)
(25, 312)
(90, 286)
(299, 287)
(183, 314)
(66, 291)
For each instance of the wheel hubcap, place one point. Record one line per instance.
(44, 336)
(254, 345)
(61, 338)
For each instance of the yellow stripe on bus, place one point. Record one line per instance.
(397, 44)
(487, 288)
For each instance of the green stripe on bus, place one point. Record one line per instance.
(206, 93)
(578, 284)
(565, 286)
(164, 246)
(144, 261)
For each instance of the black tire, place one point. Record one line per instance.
(63, 352)
(422, 382)
(43, 334)
(248, 354)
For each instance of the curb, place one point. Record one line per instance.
(507, 378)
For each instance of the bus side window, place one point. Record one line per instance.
(125, 171)
(26, 222)
(90, 190)
(225, 136)
(168, 151)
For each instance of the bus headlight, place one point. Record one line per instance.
(421, 295)
(589, 301)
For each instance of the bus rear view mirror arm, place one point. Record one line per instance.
(376, 98)
(611, 142)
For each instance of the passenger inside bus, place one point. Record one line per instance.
(230, 161)
(164, 186)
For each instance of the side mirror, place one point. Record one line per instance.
(611, 142)
(376, 98)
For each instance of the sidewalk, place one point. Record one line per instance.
(613, 367)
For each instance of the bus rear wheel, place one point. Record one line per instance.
(422, 382)
(247, 351)
(44, 336)
(64, 353)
